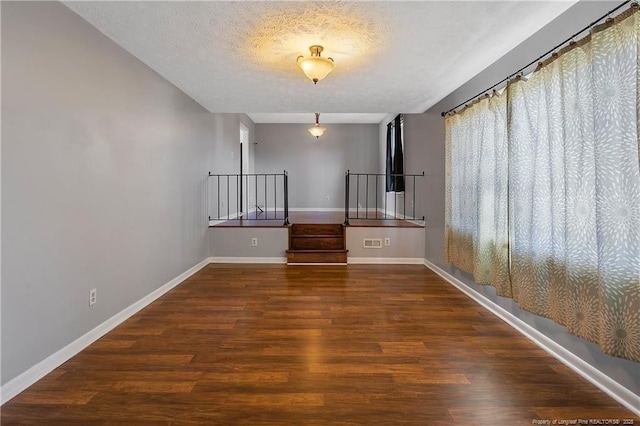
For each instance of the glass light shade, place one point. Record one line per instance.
(315, 67)
(317, 131)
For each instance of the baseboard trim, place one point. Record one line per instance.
(44, 367)
(350, 260)
(605, 383)
(385, 260)
(247, 260)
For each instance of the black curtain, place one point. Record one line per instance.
(395, 157)
(389, 167)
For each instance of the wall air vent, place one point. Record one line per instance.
(372, 243)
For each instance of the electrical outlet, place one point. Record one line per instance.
(93, 296)
(254, 242)
(387, 241)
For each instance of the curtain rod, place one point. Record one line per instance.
(540, 57)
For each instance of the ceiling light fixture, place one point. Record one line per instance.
(316, 130)
(315, 67)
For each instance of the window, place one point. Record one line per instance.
(395, 158)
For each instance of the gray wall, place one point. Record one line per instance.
(425, 133)
(236, 242)
(424, 139)
(226, 142)
(316, 167)
(406, 243)
(226, 145)
(103, 180)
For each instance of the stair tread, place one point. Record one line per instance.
(318, 251)
(316, 236)
(298, 229)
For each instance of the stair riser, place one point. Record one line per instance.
(317, 257)
(336, 243)
(317, 229)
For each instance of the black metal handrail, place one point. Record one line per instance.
(376, 183)
(234, 193)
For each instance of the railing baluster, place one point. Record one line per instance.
(227, 197)
(376, 210)
(413, 201)
(395, 204)
(404, 204)
(286, 198)
(385, 199)
(346, 198)
(366, 202)
(358, 196)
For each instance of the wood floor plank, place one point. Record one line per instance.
(53, 397)
(321, 345)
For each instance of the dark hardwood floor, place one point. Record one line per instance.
(321, 345)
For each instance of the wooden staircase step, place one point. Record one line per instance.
(317, 229)
(316, 242)
(316, 256)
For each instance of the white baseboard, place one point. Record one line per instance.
(609, 386)
(385, 260)
(350, 260)
(44, 367)
(247, 260)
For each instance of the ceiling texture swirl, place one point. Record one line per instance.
(390, 56)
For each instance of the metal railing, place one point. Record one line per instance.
(370, 189)
(254, 196)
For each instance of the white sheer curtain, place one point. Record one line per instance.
(477, 227)
(616, 78)
(552, 186)
(573, 189)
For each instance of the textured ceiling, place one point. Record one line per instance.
(396, 56)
